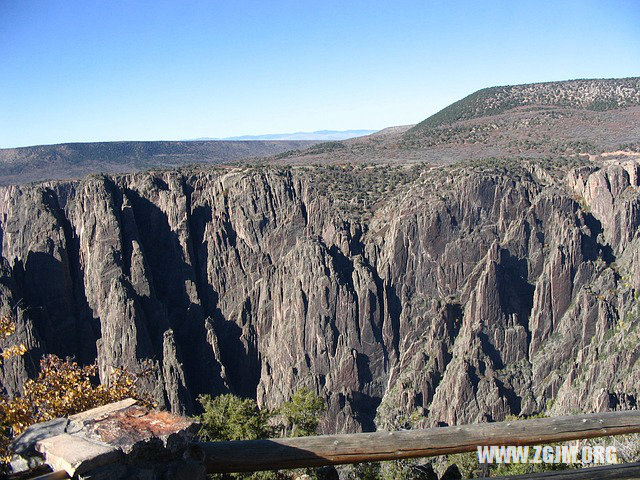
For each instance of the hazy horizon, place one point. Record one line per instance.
(117, 71)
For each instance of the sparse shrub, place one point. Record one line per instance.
(467, 463)
(326, 147)
(633, 147)
(365, 471)
(507, 469)
(229, 417)
(7, 328)
(63, 388)
(394, 470)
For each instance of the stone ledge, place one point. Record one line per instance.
(96, 413)
(78, 421)
(25, 443)
(135, 427)
(116, 441)
(76, 455)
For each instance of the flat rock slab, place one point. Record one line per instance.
(103, 411)
(78, 421)
(76, 455)
(95, 442)
(25, 443)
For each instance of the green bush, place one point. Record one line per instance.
(302, 413)
(365, 471)
(228, 417)
(394, 470)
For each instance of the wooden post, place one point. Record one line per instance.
(273, 454)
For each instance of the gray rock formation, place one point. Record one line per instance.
(464, 293)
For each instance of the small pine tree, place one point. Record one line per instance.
(228, 417)
(303, 413)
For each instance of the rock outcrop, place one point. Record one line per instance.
(461, 293)
(120, 440)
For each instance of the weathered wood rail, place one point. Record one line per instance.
(283, 453)
(255, 455)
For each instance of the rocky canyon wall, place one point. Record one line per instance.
(461, 293)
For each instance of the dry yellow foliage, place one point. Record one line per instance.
(13, 351)
(8, 328)
(61, 388)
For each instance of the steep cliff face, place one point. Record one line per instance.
(466, 292)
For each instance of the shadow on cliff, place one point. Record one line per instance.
(170, 274)
(516, 293)
(515, 296)
(53, 291)
(591, 248)
(42, 285)
(169, 271)
(89, 326)
(238, 354)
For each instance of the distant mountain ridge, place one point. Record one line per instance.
(595, 95)
(538, 120)
(324, 135)
(75, 160)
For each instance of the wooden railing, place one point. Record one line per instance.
(254, 455)
(284, 453)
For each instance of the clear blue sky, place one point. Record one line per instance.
(109, 70)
